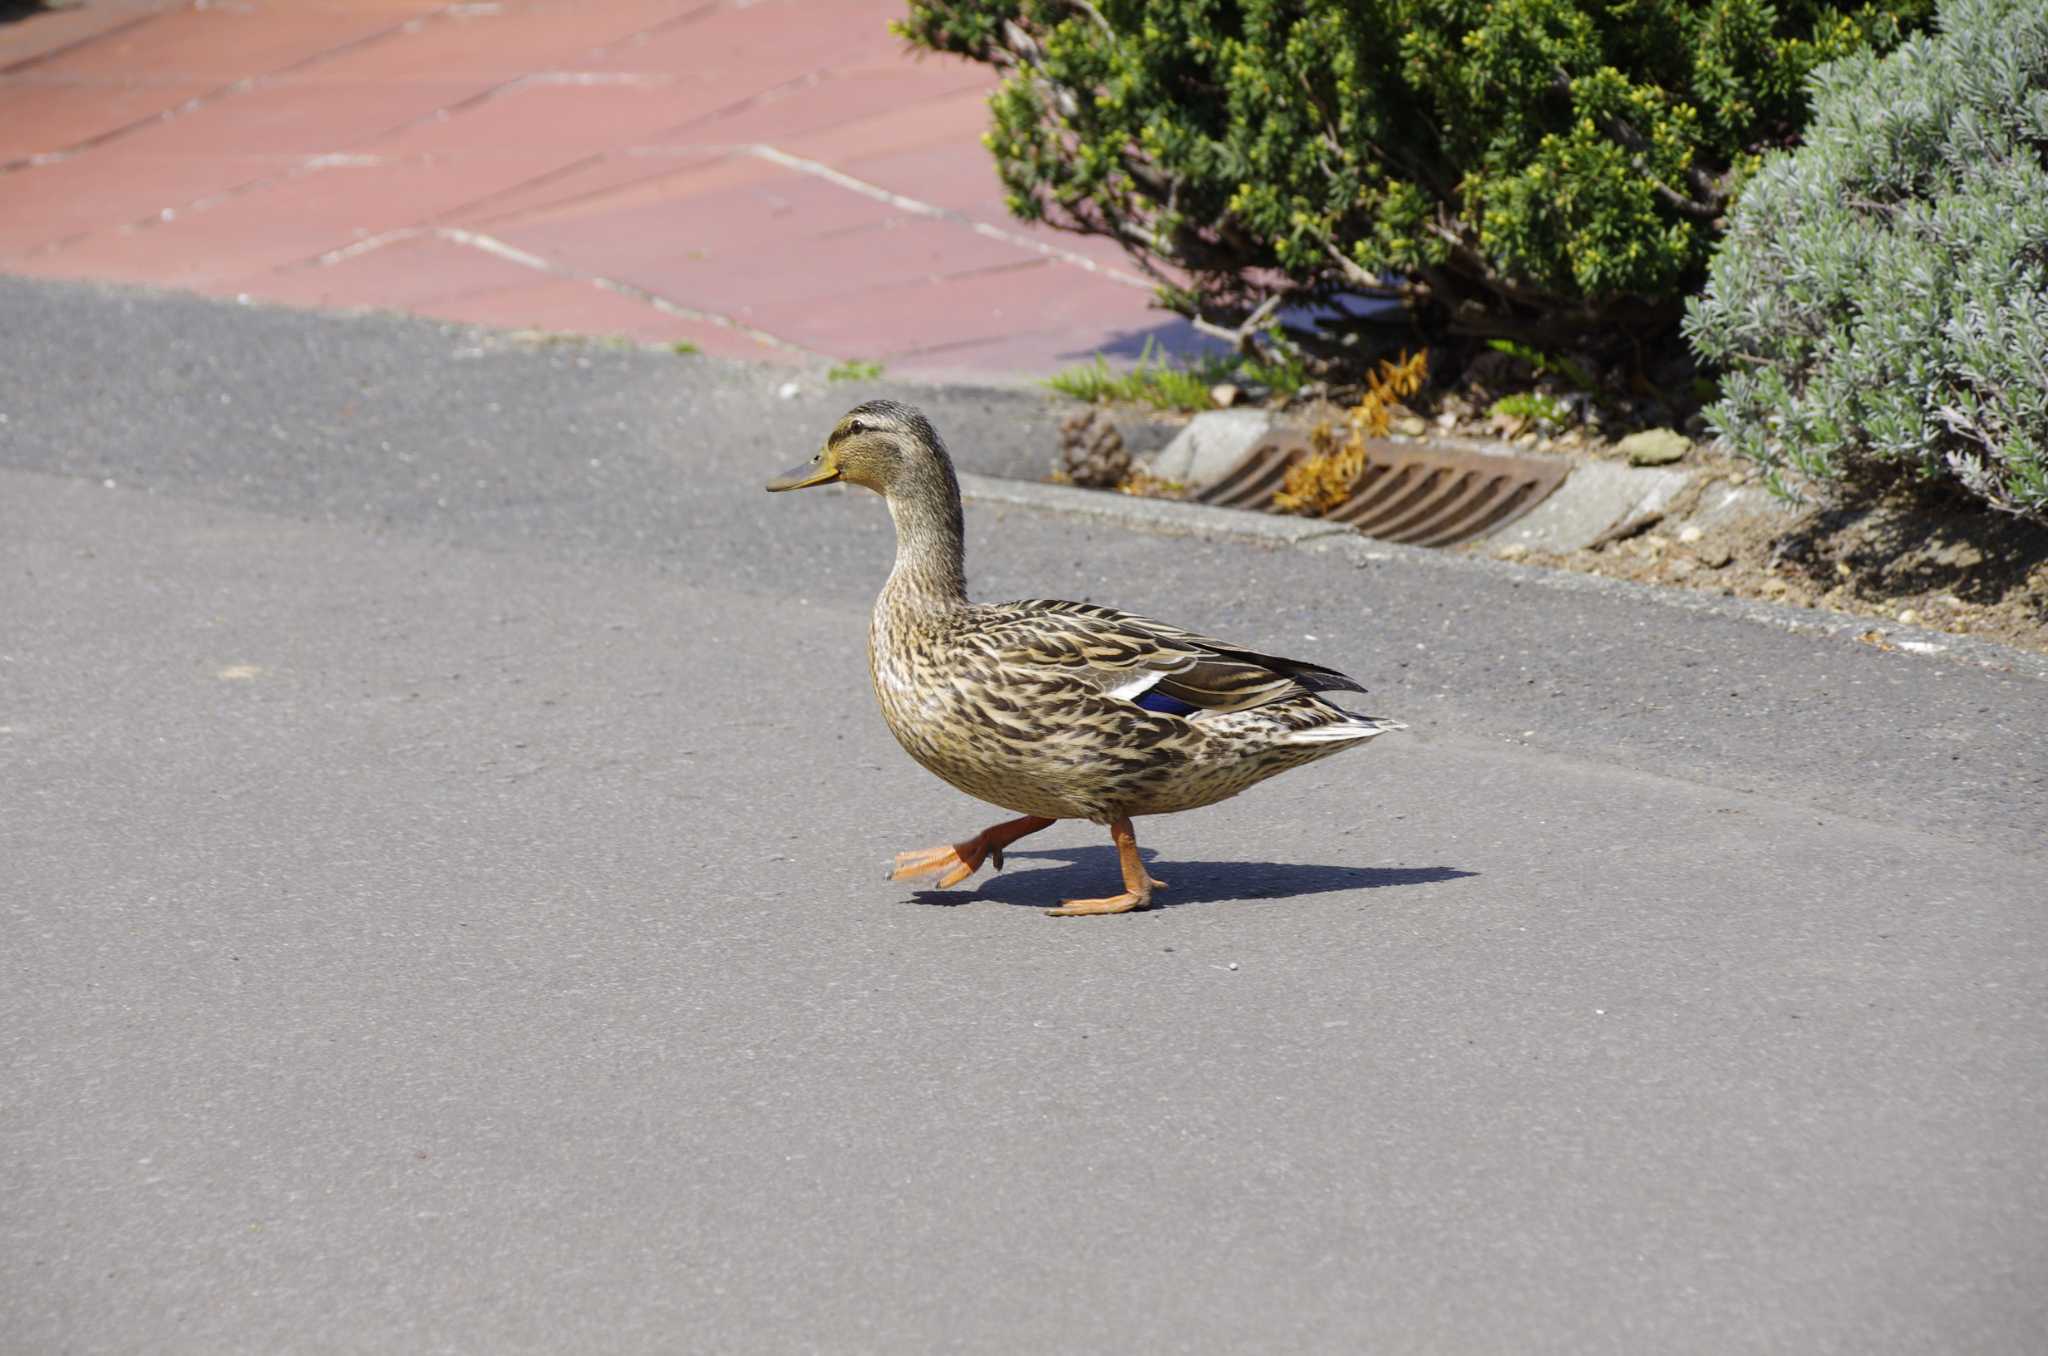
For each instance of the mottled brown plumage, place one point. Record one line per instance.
(1050, 709)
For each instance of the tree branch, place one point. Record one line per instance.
(1243, 337)
(1095, 14)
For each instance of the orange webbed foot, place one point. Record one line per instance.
(955, 863)
(1138, 883)
(1123, 903)
(947, 863)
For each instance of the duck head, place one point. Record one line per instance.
(882, 444)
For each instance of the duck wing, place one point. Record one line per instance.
(1154, 665)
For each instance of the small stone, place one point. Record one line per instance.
(1909, 616)
(1224, 394)
(1526, 440)
(1690, 533)
(1681, 567)
(789, 390)
(1212, 444)
(1654, 447)
(1958, 555)
(1716, 558)
(1514, 550)
(1447, 420)
(1411, 425)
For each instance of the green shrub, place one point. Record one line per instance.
(1881, 304)
(1546, 170)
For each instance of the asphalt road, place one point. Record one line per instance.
(441, 826)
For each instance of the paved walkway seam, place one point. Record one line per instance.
(197, 101)
(879, 194)
(512, 254)
(477, 240)
(68, 48)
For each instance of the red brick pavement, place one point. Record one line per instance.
(775, 180)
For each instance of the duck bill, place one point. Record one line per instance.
(822, 469)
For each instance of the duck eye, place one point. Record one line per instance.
(855, 426)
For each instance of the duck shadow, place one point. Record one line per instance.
(1091, 871)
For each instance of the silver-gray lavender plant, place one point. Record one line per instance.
(1880, 305)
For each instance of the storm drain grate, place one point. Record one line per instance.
(1425, 496)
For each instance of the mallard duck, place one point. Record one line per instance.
(1056, 710)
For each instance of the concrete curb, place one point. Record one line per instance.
(1596, 496)
(1168, 517)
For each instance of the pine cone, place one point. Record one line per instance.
(1092, 452)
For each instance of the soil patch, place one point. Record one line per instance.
(1975, 573)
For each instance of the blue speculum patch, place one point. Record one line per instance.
(1152, 699)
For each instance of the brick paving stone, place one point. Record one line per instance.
(295, 117)
(491, 44)
(24, 45)
(49, 204)
(419, 190)
(963, 179)
(838, 98)
(287, 219)
(563, 115)
(583, 182)
(893, 252)
(45, 117)
(781, 163)
(453, 281)
(763, 221)
(218, 43)
(759, 46)
(955, 120)
(166, 256)
(580, 307)
(640, 177)
(405, 275)
(933, 155)
(1038, 297)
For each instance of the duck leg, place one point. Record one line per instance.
(1138, 885)
(962, 860)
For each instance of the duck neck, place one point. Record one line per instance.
(930, 573)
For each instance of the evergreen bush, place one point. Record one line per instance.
(1546, 170)
(1880, 306)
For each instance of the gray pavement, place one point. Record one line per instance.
(441, 820)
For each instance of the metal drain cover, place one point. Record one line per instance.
(1408, 492)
